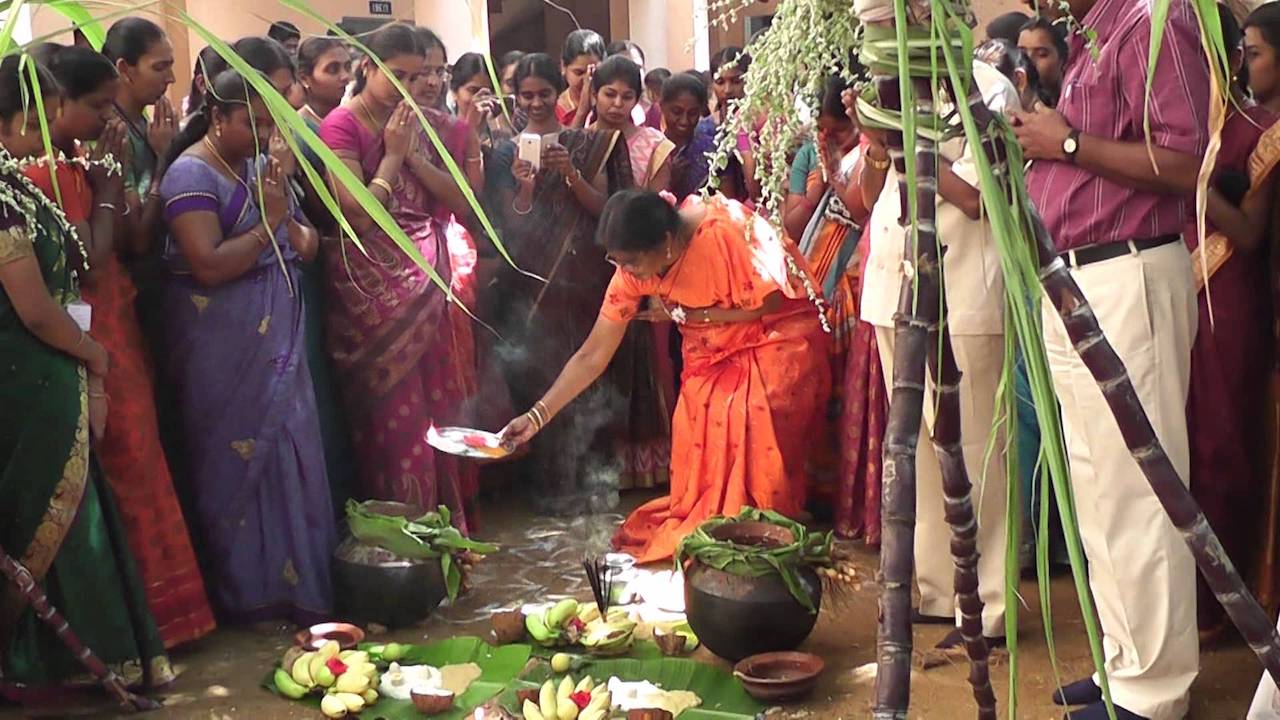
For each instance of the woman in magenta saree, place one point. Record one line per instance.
(389, 327)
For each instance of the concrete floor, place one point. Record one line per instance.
(220, 674)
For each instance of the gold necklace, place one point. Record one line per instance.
(225, 165)
(364, 109)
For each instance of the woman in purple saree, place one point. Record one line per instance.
(389, 328)
(237, 360)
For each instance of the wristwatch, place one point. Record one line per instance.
(1071, 145)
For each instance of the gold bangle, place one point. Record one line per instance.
(383, 184)
(878, 164)
(543, 410)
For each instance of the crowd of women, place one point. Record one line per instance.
(209, 362)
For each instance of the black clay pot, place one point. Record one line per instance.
(374, 585)
(737, 616)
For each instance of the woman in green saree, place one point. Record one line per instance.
(57, 517)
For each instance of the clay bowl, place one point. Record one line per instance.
(432, 702)
(527, 694)
(779, 676)
(507, 626)
(345, 634)
(648, 714)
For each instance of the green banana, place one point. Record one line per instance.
(287, 686)
(539, 631)
(562, 611)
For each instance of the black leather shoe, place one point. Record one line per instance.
(1080, 692)
(1098, 711)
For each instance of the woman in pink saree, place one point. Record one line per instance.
(388, 325)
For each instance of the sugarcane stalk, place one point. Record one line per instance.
(902, 431)
(958, 491)
(1108, 370)
(20, 576)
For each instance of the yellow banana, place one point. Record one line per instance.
(592, 715)
(301, 670)
(566, 710)
(547, 699)
(531, 711)
(354, 657)
(370, 696)
(330, 649)
(325, 677)
(352, 683)
(565, 689)
(354, 702)
(603, 701)
(586, 684)
(317, 664)
(333, 707)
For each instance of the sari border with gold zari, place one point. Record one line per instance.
(61, 512)
(1217, 248)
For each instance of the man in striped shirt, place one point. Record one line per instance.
(1117, 218)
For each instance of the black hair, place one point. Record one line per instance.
(429, 41)
(1057, 34)
(1007, 26)
(623, 47)
(539, 65)
(203, 59)
(130, 38)
(832, 101)
(226, 90)
(1008, 58)
(583, 42)
(468, 66)
(656, 77)
(79, 71)
(731, 55)
(615, 69)
(16, 89)
(636, 221)
(685, 82)
(510, 58)
(387, 43)
(1233, 40)
(282, 31)
(312, 49)
(1267, 20)
(262, 54)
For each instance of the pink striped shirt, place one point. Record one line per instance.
(1104, 97)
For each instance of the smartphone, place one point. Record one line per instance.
(510, 102)
(530, 148)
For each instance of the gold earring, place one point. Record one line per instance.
(217, 130)
(668, 251)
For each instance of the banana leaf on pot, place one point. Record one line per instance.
(759, 560)
(429, 536)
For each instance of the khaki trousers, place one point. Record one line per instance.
(980, 358)
(1140, 570)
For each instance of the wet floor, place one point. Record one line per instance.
(541, 560)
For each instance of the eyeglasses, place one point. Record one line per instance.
(440, 72)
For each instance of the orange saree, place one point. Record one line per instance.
(750, 391)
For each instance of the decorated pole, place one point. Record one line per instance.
(20, 576)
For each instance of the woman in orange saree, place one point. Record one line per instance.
(755, 358)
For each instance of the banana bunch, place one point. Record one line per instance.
(557, 625)
(567, 701)
(348, 679)
(610, 635)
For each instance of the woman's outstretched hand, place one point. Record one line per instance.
(518, 432)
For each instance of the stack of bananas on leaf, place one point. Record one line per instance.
(347, 679)
(567, 622)
(584, 701)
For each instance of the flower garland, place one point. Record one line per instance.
(28, 204)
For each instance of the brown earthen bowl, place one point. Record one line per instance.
(507, 626)
(778, 676)
(527, 694)
(345, 634)
(432, 702)
(671, 644)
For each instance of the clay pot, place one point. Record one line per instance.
(649, 714)
(670, 643)
(736, 616)
(374, 585)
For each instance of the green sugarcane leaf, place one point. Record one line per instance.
(82, 21)
(14, 11)
(497, 88)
